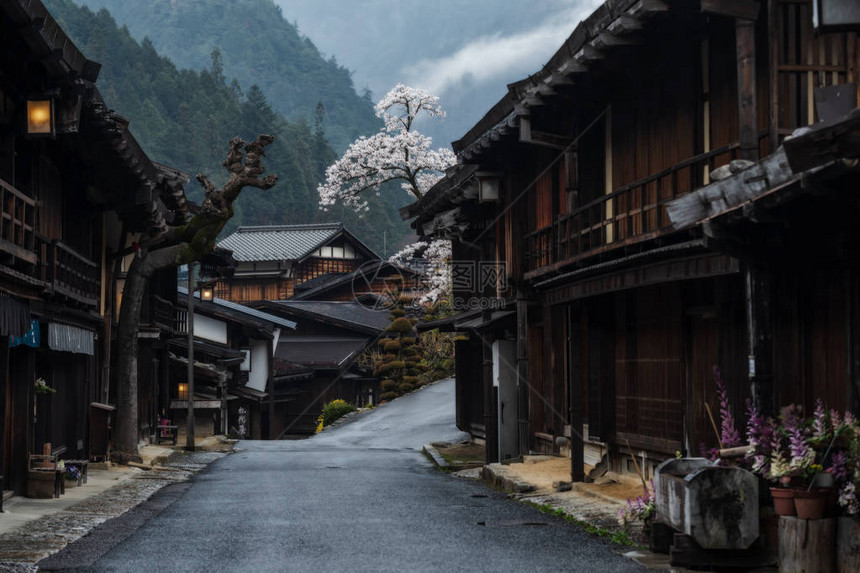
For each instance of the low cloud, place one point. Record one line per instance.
(496, 57)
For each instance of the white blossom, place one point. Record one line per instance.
(437, 253)
(397, 152)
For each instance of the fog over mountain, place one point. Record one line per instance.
(465, 52)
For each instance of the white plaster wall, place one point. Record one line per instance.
(259, 374)
(210, 328)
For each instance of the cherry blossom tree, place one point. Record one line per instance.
(397, 153)
(437, 253)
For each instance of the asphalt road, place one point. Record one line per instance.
(358, 497)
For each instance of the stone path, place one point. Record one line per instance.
(22, 548)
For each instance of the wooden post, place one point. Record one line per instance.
(522, 373)
(577, 447)
(854, 341)
(807, 545)
(747, 120)
(189, 420)
(760, 338)
(270, 348)
(4, 377)
(491, 425)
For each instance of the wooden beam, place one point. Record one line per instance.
(743, 9)
(826, 142)
(624, 25)
(534, 137)
(577, 453)
(647, 8)
(491, 442)
(758, 293)
(587, 54)
(747, 118)
(606, 40)
(522, 372)
(572, 68)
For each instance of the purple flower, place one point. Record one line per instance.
(820, 423)
(839, 466)
(760, 436)
(729, 435)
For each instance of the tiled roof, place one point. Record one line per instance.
(279, 242)
(319, 351)
(345, 313)
(241, 309)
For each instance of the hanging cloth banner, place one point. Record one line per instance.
(68, 338)
(31, 338)
(14, 316)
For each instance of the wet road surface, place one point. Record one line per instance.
(358, 497)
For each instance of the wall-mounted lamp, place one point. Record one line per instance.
(835, 15)
(207, 293)
(40, 117)
(182, 391)
(489, 186)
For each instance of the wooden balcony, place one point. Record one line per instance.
(71, 274)
(161, 313)
(17, 224)
(628, 215)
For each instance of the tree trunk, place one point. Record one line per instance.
(171, 247)
(126, 360)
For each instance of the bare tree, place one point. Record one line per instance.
(170, 246)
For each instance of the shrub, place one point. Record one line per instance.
(405, 387)
(334, 410)
(401, 325)
(388, 385)
(387, 396)
(391, 346)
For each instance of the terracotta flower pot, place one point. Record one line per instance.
(811, 504)
(783, 500)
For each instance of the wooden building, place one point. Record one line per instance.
(276, 261)
(650, 225)
(235, 368)
(74, 184)
(322, 358)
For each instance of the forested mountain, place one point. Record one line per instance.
(258, 46)
(185, 118)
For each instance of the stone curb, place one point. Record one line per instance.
(436, 457)
(494, 474)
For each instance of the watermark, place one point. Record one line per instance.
(382, 286)
(377, 286)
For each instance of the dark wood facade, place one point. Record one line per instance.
(69, 198)
(622, 311)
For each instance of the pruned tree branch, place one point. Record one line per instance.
(165, 246)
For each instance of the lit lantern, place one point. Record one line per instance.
(207, 293)
(40, 117)
(182, 391)
(489, 186)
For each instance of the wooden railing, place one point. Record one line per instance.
(180, 323)
(17, 224)
(72, 275)
(630, 214)
(162, 313)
